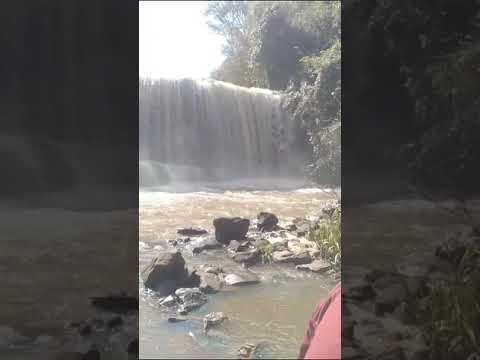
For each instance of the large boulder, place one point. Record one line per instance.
(165, 273)
(266, 221)
(227, 229)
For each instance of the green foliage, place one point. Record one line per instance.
(228, 18)
(327, 236)
(292, 46)
(266, 251)
(438, 58)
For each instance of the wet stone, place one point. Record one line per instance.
(241, 279)
(170, 300)
(213, 319)
(317, 266)
(190, 299)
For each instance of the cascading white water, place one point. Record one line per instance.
(196, 130)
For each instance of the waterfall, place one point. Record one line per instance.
(207, 130)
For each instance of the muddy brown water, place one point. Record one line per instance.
(273, 313)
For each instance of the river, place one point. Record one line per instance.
(273, 313)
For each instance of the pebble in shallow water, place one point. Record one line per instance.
(213, 319)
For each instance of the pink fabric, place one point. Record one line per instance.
(323, 337)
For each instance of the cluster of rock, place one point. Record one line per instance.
(244, 242)
(386, 307)
(186, 289)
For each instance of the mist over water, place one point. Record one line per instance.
(212, 131)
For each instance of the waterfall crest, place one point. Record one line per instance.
(210, 130)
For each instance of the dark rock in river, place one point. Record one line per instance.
(236, 246)
(190, 299)
(213, 319)
(165, 273)
(227, 229)
(191, 231)
(204, 243)
(244, 278)
(266, 221)
(175, 320)
(249, 257)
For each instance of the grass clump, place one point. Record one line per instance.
(266, 251)
(327, 236)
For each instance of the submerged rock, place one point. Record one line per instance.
(175, 320)
(249, 257)
(317, 266)
(211, 269)
(245, 278)
(246, 351)
(210, 282)
(213, 319)
(165, 273)
(205, 243)
(190, 299)
(266, 221)
(227, 229)
(192, 231)
(236, 246)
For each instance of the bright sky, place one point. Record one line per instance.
(175, 41)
